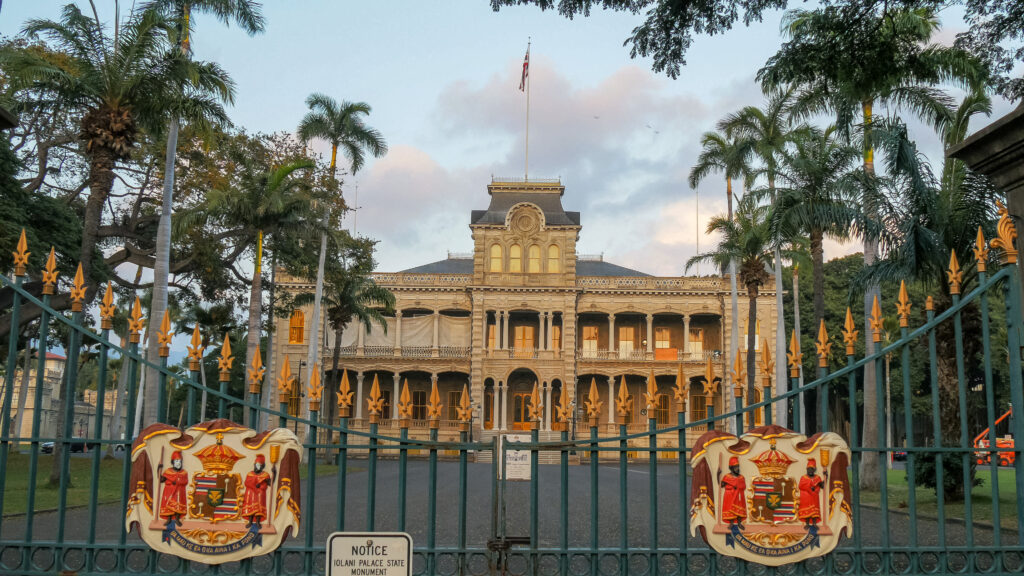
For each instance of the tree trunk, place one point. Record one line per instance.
(271, 367)
(734, 325)
(62, 416)
(871, 474)
(818, 299)
(314, 345)
(140, 398)
(101, 180)
(780, 322)
(161, 266)
(23, 393)
(796, 329)
(255, 316)
(751, 343)
(114, 425)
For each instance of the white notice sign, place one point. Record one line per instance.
(369, 554)
(517, 462)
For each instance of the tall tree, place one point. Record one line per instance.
(747, 240)
(342, 126)
(845, 67)
(244, 13)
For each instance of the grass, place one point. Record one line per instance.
(927, 501)
(16, 488)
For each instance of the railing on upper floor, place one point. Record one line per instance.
(417, 351)
(455, 351)
(642, 355)
(378, 351)
(406, 278)
(702, 284)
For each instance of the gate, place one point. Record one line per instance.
(625, 508)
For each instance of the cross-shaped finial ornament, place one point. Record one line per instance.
(823, 345)
(405, 405)
(164, 336)
(21, 255)
(850, 332)
(78, 290)
(593, 403)
(877, 321)
(903, 305)
(195, 350)
(135, 320)
(682, 389)
(226, 360)
(434, 406)
(980, 250)
(651, 395)
(256, 373)
(344, 394)
(954, 274)
(795, 356)
(284, 381)
(375, 403)
(622, 404)
(50, 274)
(315, 389)
(107, 308)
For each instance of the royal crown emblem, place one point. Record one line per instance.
(764, 498)
(209, 494)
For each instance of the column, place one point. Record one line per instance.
(547, 407)
(398, 333)
(360, 336)
(542, 338)
(611, 333)
(494, 406)
(650, 333)
(503, 413)
(504, 330)
(359, 393)
(611, 400)
(394, 396)
(551, 330)
(437, 321)
(483, 341)
(686, 336)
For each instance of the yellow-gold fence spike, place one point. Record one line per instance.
(344, 394)
(405, 405)
(21, 255)
(795, 356)
(135, 320)
(877, 321)
(954, 274)
(536, 407)
(682, 389)
(226, 360)
(375, 402)
(78, 290)
(767, 365)
(850, 333)
(315, 389)
(823, 345)
(164, 336)
(929, 304)
(195, 350)
(739, 376)
(256, 373)
(465, 408)
(651, 395)
(284, 381)
(1006, 236)
(903, 305)
(564, 411)
(622, 404)
(107, 308)
(593, 403)
(434, 407)
(710, 388)
(980, 250)
(50, 274)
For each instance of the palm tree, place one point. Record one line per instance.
(246, 14)
(342, 126)
(731, 157)
(212, 322)
(747, 240)
(889, 61)
(768, 130)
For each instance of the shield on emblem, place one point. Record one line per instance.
(773, 500)
(215, 496)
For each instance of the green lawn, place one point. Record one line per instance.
(16, 490)
(981, 498)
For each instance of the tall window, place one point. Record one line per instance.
(556, 337)
(757, 335)
(297, 328)
(524, 339)
(515, 258)
(696, 340)
(293, 399)
(534, 260)
(496, 258)
(419, 404)
(454, 397)
(661, 338)
(626, 335)
(492, 336)
(661, 410)
(590, 341)
(698, 407)
(553, 258)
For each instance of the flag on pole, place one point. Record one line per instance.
(526, 70)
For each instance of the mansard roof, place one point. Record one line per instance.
(465, 266)
(546, 195)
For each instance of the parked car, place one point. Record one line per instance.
(77, 445)
(46, 447)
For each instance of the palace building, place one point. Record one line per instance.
(523, 308)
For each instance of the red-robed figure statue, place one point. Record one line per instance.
(734, 501)
(810, 495)
(173, 501)
(254, 505)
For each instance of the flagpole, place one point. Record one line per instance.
(526, 171)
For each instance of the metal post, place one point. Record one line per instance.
(37, 405)
(12, 359)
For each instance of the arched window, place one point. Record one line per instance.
(534, 261)
(553, 256)
(515, 258)
(496, 264)
(297, 328)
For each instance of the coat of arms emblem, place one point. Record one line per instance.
(207, 493)
(764, 498)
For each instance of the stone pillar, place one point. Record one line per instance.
(398, 333)
(504, 406)
(547, 407)
(359, 394)
(483, 342)
(360, 338)
(686, 336)
(650, 333)
(551, 331)
(437, 321)
(504, 330)
(611, 400)
(611, 333)
(542, 324)
(494, 406)
(394, 395)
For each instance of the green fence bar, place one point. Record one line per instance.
(990, 405)
(371, 471)
(933, 377)
(342, 467)
(101, 385)
(68, 398)
(12, 362)
(534, 497)
(908, 416)
(1013, 338)
(463, 438)
(311, 483)
(594, 558)
(652, 520)
(126, 489)
(563, 456)
(684, 492)
(403, 456)
(37, 405)
(623, 494)
(432, 494)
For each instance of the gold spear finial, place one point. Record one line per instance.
(226, 360)
(284, 381)
(980, 250)
(344, 394)
(535, 408)
(315, 389)
(135, 320)
(106, 307)
(1006, 236)
(739, 376)
(622, 404)
(256, 372)
(405, 405)
(767, 363)
(464, 410)
(682, 390)
(593, 403)
(710, 388)
(78, 290)
(850, 333)
(903, 305)
(50, 273)
(954, 274)
(164, 336)
(823, 345)
(434, 407)
(375, 402)
(195, 351)
(21, 255)
(929, 304)
(564, 410)
(795, 356)
(877, 322)
(651, 395)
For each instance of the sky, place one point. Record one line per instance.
(442, 77)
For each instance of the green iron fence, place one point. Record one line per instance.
(625, 512)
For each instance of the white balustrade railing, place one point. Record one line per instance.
(455, 351)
